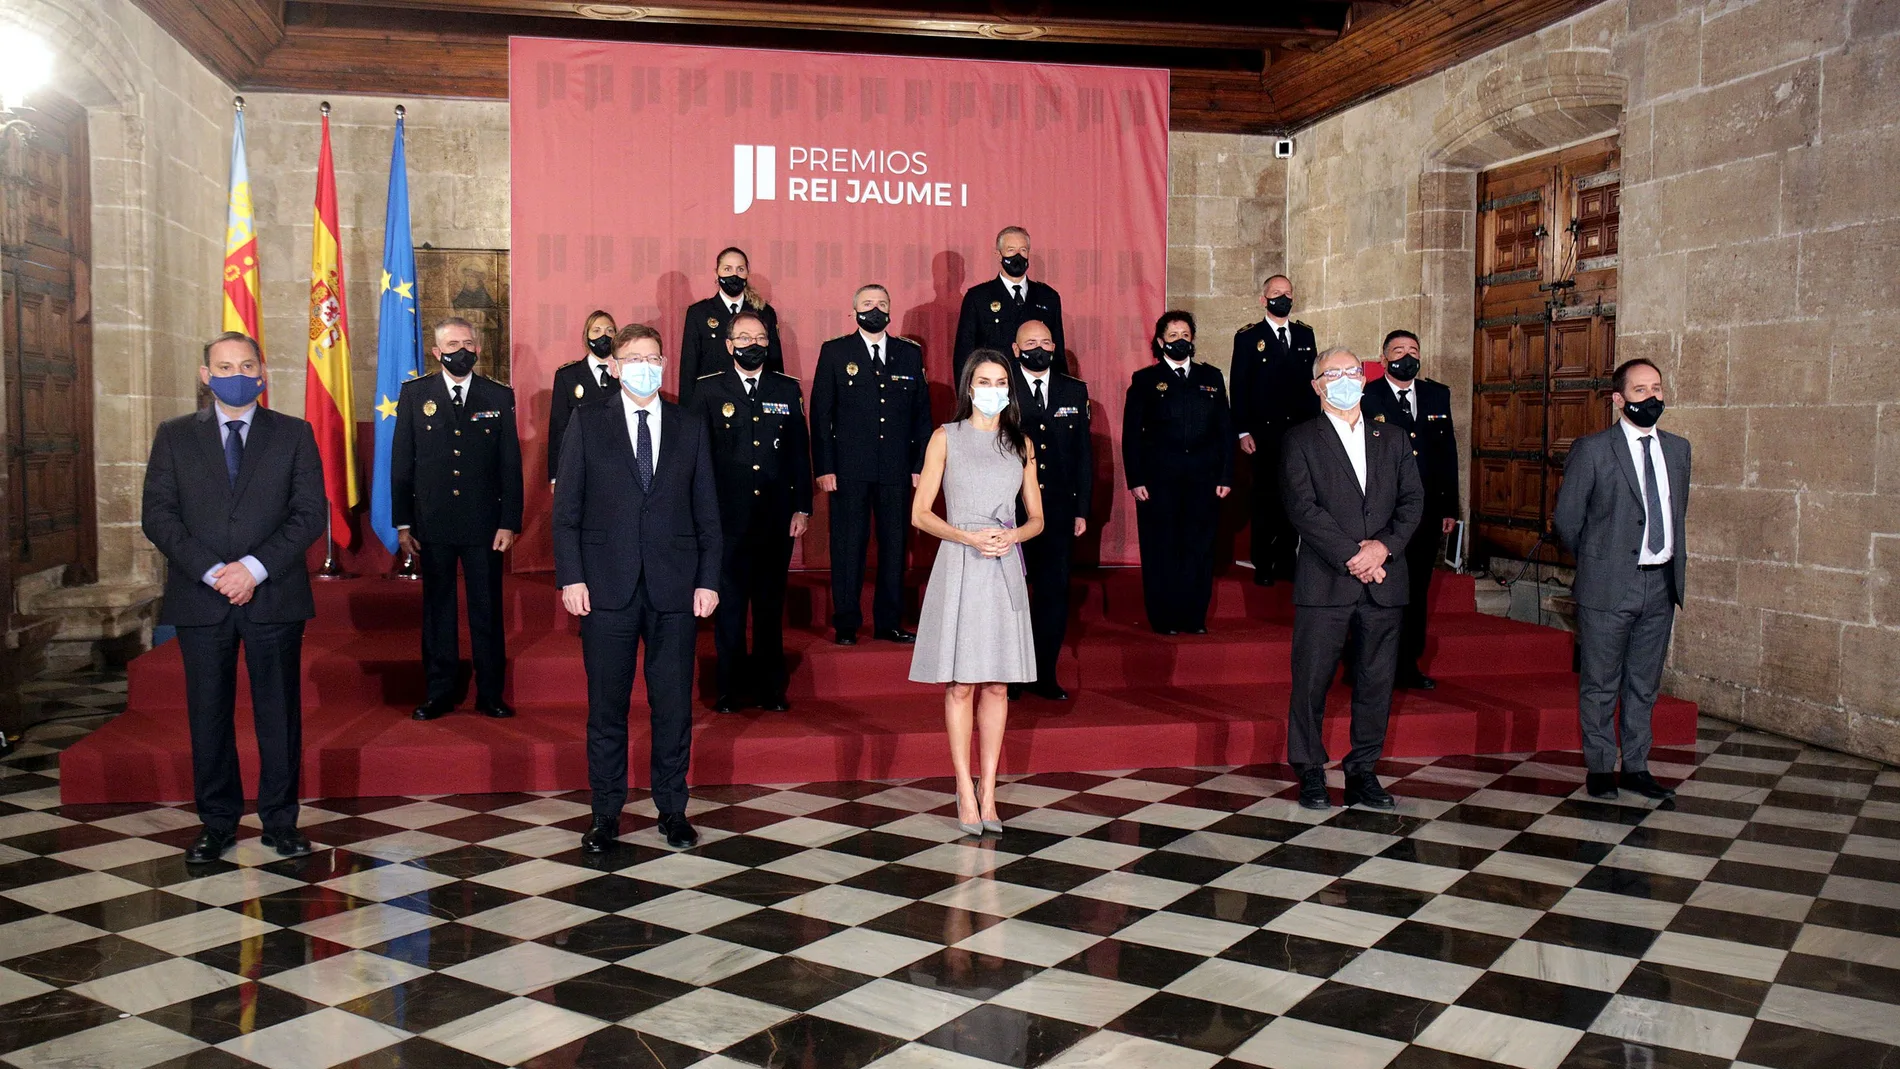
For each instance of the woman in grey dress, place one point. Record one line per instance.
(974, 635)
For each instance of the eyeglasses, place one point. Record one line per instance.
(1334, 374)
(749, 339)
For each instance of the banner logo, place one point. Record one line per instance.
(840, 176)
(754, 175)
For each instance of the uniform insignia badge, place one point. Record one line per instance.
(996, 306)
(428, 408)
(580, 392)
(851, 368)
(713, 322)
(727, 410)
(1260, 346)
(1162, 386)
(1379, 418)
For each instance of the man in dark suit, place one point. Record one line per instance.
(1421, 408)
(870, 422)
(993, 310)
(233, 498)
(1271, 369)
(1352, 492)
(1621, 510)
(580, 382)
(762, 457)
(636, 554)
(455, 494)
(1055, 416)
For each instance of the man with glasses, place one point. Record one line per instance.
(1353, 494)
(762, 463)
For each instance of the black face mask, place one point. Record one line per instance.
(1179, 349)
(1404, 369)
(751, 357)
(1644, 413)
(731, 285)
(602, 346)
(1037, 360)
(1016, 266)
(459, 362)
(1280, 306)
(874, 321)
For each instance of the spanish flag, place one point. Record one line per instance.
(241, 285)
(329, 403)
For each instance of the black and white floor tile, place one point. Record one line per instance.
(1150, 919)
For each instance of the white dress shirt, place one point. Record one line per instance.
(1282, 329)
(1353, 437)
(243, 431)
(1411, 396)
(883, 343)
(1034, 377)
(1635, 435)
(1015, 285)
(652, 407)
(1174, 367)
(449, 381)
(732, 305)
(595, 365)
(749, 382)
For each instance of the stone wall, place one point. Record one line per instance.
(1226, 231)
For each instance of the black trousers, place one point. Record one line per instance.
(610, 646)
(752, 578)
(441, 645)
(1047, 557)
(1319, 637)
(1176, 529)
(1274, 545)
(273, 655)
(1421, 553)
(852, 507)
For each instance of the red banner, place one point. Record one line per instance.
(634, 164)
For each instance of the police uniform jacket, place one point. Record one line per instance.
(575, 384)
(455, 474)
(989, 318)
(703, 342)
(1431, 438)
(761, 450)
(1174, 430)
(1065, 453)
(1273, 383)
(869, 422)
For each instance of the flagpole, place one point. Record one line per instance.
(332, 567)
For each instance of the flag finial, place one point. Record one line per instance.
(400, 111)
(324, 107)
(238, 103)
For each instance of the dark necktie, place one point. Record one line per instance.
(1281, 332)
(643, 451)
(1016, 294)
(606, 380)
(1405, 402)
(233, 448)
(875, 359)
(1652, 499)
(1181, 372)
(1038, 385)
(456, 394)
(751, 388)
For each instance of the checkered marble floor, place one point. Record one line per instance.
(1171, 918)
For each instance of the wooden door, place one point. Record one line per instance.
(1545, 337)
(48, 360)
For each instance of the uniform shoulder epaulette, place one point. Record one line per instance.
(567, 365)
(709, 375)
(1073, 378)
(1248, 327)
(1299, 323)
(784, 375)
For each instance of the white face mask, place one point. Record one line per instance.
(640, 377)
(990, 400)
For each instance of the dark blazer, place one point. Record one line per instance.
(1332, 516)
(1434, 442)
(575, 384)
(199, 521)
(703, 342)
(1270, 380)
(609, 533)
(1600, 513)
(455, 474)
(1172, 432)
(869, 423)
(761, 449)
(989, 318)
(1065, 451)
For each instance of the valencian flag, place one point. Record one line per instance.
(241, 285)
(329, 403)
(398, 336)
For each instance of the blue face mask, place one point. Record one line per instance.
(990, 400)
(1343, 393)
(237, 391)
(642, 378)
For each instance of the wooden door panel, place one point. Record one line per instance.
(1493, 413)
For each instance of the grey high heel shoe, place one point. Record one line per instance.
(970, 829)
(993, 825)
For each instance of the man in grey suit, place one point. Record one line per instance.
(1620, 510)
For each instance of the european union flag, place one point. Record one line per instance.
(398, 335)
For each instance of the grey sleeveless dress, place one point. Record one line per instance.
(975, 623)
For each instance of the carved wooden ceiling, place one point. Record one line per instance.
(1239, 66)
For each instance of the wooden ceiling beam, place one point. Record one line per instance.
(230, 36)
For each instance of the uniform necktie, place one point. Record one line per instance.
(457, 394)
(1652, 499)
(1016, 293)
(1181, 372)
(1281, 331)
(876, 359)
(751, 388)
(1405, 402)
(1038, 385)
(606, 380)
(233, 448)
(643, 452)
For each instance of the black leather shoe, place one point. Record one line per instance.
(1362, 788)
(726, 703)
(1645, 784)
(495, 710)
(776, 704)
(599, 838)
(679, 834)
(845, 638)
(1048, 690)
(288, 843)
(897, 634)
(1313, 789)
(430, 710)
(1415, 681)
(210, 845)
(1601, 785)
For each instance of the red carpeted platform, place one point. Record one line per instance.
(1141, 700)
